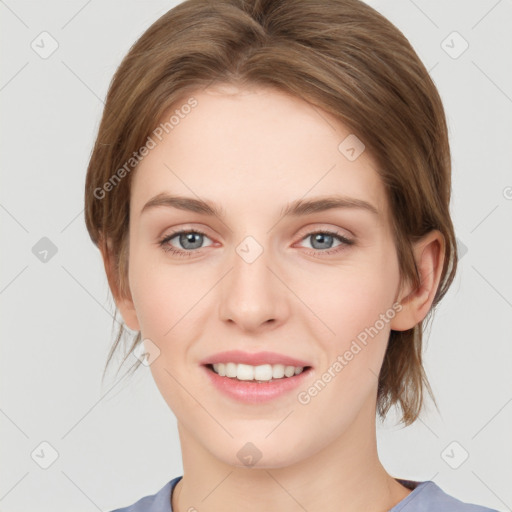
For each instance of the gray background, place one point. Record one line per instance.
(118, 441)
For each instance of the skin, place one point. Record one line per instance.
(253, 150)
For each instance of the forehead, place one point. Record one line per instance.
(252, 146)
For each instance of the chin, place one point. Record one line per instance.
(264, 454)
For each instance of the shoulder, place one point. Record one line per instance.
(158, 502)
(429, 497)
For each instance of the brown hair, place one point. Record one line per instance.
(340, 55)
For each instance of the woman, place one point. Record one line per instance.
(270, 193)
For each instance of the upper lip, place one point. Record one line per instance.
(255, 359)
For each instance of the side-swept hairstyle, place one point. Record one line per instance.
(339, 55)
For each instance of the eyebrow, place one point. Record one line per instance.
(299, 207)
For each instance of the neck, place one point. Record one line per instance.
(346, 475)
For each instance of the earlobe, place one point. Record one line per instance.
(416, 303)
(127, 310)
(124, 302)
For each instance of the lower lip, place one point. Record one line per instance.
(255, 392)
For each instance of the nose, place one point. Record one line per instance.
(252, 296)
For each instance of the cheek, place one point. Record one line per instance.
(354, 298)
(162, 294)
(360, 319)
(357, 305)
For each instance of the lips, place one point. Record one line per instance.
(253, 392)
(254, 359)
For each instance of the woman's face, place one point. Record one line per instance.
(259, 280)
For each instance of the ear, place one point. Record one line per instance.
(123, 299)
(429, 256)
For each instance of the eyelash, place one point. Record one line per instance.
(168, 248)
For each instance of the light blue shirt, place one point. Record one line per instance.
(425, 497)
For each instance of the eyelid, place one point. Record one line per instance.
(303, 233)
(179, 231)
(326, 228)
(345, 242)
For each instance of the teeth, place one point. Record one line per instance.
(261, 373)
